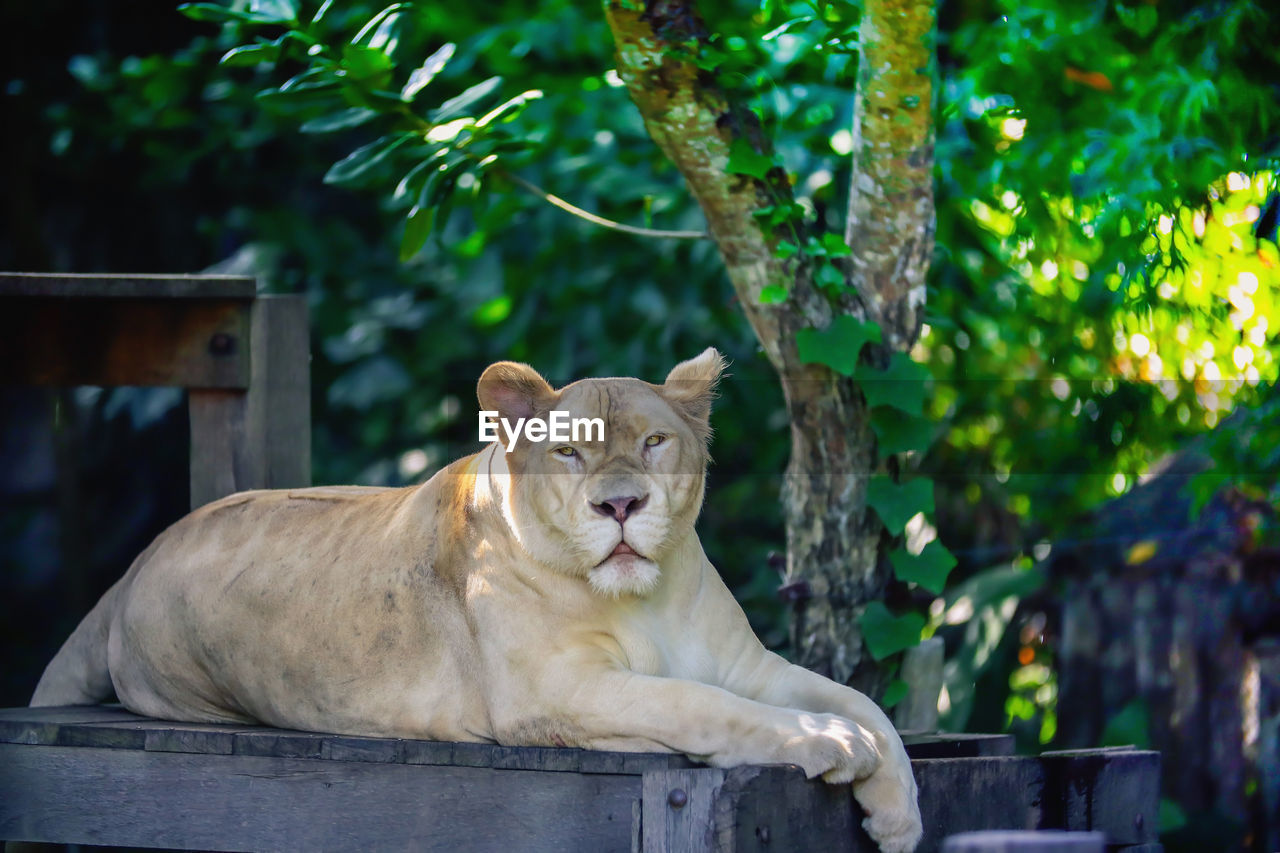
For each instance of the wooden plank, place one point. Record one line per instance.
(279, 743)
(136, 798)
(737, 809)
(1116, 791)
(774, 807)
(127, 286)
(678, 810)
(110, 726)
(381, 750)
(260, 439)
(957, 745)
(1024, 841)
(24, 725)
(42, 725)
(428, 752)
(192, 738)
(193, 343)
(967, 794)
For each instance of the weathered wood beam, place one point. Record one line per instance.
(102, 775)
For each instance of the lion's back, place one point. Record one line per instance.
(281, 606)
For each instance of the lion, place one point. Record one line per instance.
(553, 595)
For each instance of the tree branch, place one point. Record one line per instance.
(599, 220)
(423, 126)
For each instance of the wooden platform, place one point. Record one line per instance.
(101, 775)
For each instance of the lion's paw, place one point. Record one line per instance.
(893, 815)
(831, 747)
(894, 831)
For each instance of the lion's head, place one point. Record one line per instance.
(608, 510)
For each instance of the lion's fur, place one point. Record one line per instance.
(485, 605)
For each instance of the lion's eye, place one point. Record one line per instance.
(654, 440)
(566, 451)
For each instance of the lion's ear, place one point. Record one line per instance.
(514, 391)
(691, 385)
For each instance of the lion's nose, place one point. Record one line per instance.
(620, 508)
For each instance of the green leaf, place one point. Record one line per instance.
(321, 12)
(901, 384)
(220, 14)
(365, 63)
(929, 568)
(371, 29)
(249, 54)
(786, 249)
(425, 73)
(275, 11)
(492, 312)
(886, 634)
(341, 120)
(896, 503)
(364, 158)
(898, 432)
(829, 276)
(709, 58)
(1142, 19)
(301, 98)
(459, 105)
(894, 693)
(786, 25)
(835, 245)
(509, 110)
(745, 160)
(773, 294)
(837, 346)
(417, 228)
(412, 181)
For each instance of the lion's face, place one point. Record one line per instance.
(608, 510)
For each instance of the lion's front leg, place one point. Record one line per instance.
(615, 709)
(887, 795)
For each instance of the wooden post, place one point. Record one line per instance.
(922, 671)
(768, 807)
(259, 438)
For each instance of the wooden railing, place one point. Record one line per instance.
(243, 358)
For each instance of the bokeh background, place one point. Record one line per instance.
(1103, 295)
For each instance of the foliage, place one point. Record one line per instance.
(1105, 285)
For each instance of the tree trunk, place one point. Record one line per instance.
(832, 538)
(890, 223)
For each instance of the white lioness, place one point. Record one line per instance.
(553, 595)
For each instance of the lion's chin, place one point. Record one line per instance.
(625, 574)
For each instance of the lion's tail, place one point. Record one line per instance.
(78, 673)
